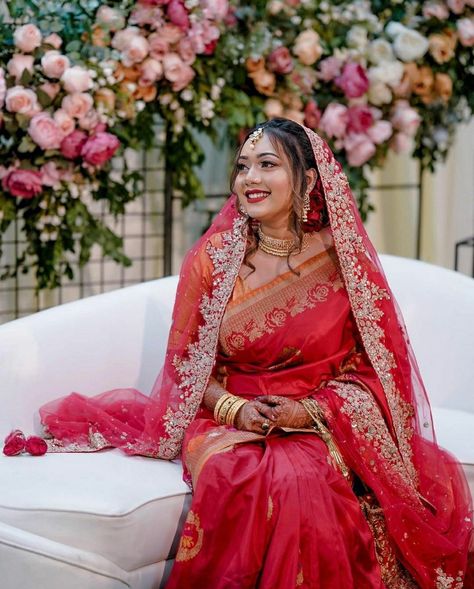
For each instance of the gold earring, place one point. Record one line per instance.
(306, 206)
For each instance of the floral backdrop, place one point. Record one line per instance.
(79, 84)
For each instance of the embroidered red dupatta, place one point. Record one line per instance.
(429, 502)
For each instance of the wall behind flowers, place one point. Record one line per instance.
(79, 84)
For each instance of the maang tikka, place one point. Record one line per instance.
(255, 136)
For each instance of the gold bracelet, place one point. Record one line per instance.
(224, 409)
(232, 413)
(220, 401)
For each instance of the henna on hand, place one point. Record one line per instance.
(290, 412)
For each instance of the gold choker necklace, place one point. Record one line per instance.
(281, 247)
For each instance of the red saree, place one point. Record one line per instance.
(334, 333)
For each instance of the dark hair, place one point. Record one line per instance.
(289, 138)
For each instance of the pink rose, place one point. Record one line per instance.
(72, 144)
(3, 88)
(151, 70)
(110, 18)
(64, 121)
(50, 175)
(216, 9)
(204, 36)
(22, 100)
(135, 51)
(54, 64)
(334, 120)
(171, 33)
(77, 105)
(36, 446)
(401, 143)
(359, 149)
(14, 443)
(76, 79)
(89, 121)
(466, 31)
(312, 115)
(45, 132)
(456, 6)
(122, 39)
(360, 118)
(18, 64)
(353, 81)
(279, 61)
(158, 46)
(27, 38)
(99, 148)
(22, 183)
(177, 72)
(329, 68)
(186, 51)
(52, 90)
(380, 132)
(54, 40)
(435, 10)
(405, 118)
(178, 14)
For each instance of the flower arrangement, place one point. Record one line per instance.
(369, 76)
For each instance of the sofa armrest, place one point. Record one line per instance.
(113, 340)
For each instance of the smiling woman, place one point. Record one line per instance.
(292, 395)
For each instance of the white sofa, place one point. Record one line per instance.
(106, 521)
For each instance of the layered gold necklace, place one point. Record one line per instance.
(281, 247)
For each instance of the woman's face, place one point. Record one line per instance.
(263, 183)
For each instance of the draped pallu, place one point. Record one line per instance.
(276, 511)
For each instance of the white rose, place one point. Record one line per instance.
(410, 45)
(76, 79)
(393, 29)
(390, 72)
(379, 93)
(357, 37)
(380, 50)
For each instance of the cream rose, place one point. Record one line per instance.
(379, 93)
(307, 47)
(389, 72)
(22, 100)
(64, 121)
(76, 79)
(110, 18)
(27, 38)
(357, 37)
(77, 105)
(123, 38)
(18, 64)
(409, 45)
(54, 64)
(380, 51)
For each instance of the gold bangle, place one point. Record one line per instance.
(220, 401)
(232, 413)
(224, 408)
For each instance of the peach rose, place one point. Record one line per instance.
(145, 93)
(273, 108)
(27, 38)
(171, 33)
(76, 105)
(254, 64)
(76, 79)
(405, 118)
(359, 149)
(334, 120)
(54, 64)
(22, 100)
(307, 47)
(105, 97)
(423, 83)
(64, 121)
(54, 40)
(177, 72)
(442, 46)
(264, 82)
(135, 51)
(99, 37)
(45, 132)
(127, 74)
(466, 31)
(18, 64)
(443, 86)
(151, 71)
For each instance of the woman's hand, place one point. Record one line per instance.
(256, 417)
(289, 413)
